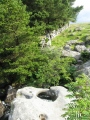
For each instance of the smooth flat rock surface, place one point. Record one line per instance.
(35, 103)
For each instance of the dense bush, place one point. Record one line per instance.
(50, 69)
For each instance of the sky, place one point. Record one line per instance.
(84, 15)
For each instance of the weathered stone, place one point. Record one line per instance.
(71, 42)
(48, 36)
(11, 94)
(43, 43)
(80, 43)
(67, 47)
(85, 68)
(87, 40)
(80, 48)
(39, 104)
(54, 33)
(48, 44)
(88, 50)
(70, 53)
(2, 109)
(79, 62)
(78, 29)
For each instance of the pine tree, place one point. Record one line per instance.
(15, 40)
(51, 14)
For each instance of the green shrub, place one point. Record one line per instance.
(50, 69)
(85, 55)
(79, 108)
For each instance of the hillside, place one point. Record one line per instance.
(75, 31)
(75, 42)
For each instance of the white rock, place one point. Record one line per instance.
(29, 106)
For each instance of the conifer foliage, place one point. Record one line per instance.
(14, 34)
(21, 59)
(51, 14)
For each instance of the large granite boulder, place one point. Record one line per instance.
(39, 104)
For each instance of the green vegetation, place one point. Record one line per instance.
(72, 34)
(15, 41)
(85, 56)
(50, 69)
(51, 14)
(61, 39)
(80, 107)
(22, 61)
